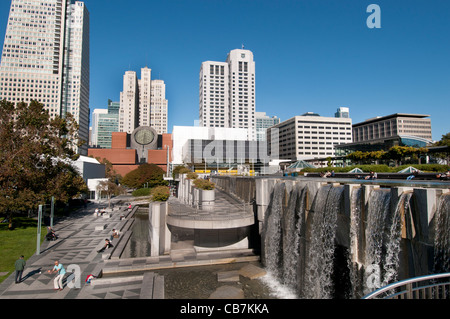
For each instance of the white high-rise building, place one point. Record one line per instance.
(142, 102)
(227, 92)
(46, 58)
(214, 90)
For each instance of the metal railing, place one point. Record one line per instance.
(435, 286)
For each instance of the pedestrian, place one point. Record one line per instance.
(57, 282)
(19, 266)
(106, 246)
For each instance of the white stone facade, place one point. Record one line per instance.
(227, 92)
(143, 103)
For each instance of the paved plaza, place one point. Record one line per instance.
(80, 236)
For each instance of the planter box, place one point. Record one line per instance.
(207, 197)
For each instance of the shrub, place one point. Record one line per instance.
(141, 192)
(204, 184)
(160, 193)
(180, 170)
(192, 175)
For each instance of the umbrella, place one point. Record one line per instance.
(356, 170)
(301, 164)
(409, 169)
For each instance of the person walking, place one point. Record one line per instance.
(19, 266)
(57, 282)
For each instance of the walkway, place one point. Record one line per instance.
(81, 235)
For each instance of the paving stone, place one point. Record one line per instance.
(252, 271)
(227, 292)
(228, 276)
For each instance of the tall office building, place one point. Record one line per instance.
(310, 136)
(342, 112)
(46, 58)
(143, 102)
(227, 92)
(262, 123)
(104, 123)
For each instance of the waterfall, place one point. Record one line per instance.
(377, 212)
(354, 260)
(273, 246)
(333, 248)
(391, 258)
(320, 254)
(290, 241)
(442, 235)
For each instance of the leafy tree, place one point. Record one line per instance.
(36, 157)
(109, 189)
(445, 141)
(145, 173)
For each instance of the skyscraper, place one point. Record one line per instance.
(262, 123)
(227, 92)
(342, 112)
(104, 123)
(46, 58)
(142, 102)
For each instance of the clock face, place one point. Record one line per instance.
(144, 137)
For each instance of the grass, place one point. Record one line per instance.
(19, 241)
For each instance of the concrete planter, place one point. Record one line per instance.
(196, 196)
(207, 198)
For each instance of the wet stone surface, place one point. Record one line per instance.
(202, 282)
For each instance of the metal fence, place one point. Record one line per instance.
(435, 286)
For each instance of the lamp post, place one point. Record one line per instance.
(38, 240)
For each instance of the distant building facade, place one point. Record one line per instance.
(143, 103)
(227, 92)
(46, 58)
(262, 123)
(311, 136)
(417, 125)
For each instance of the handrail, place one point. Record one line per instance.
(408, 283)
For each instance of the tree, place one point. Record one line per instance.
(109, 189)
(146, 174)
(36, 157)
(445, 141)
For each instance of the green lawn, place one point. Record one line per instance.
(20, 241)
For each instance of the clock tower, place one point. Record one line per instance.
(144, 138)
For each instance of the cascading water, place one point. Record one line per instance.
(292, 221)
(442, 235)
(320, 256)
(320, 251)
(354, 260)
(378, 210)
(391, 258)
(273, 246)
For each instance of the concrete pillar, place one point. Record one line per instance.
(159, 233)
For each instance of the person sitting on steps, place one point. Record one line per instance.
(106, 246)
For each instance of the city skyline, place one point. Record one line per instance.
(310, 55)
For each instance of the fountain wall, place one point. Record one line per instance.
(325, 239)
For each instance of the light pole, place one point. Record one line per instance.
(38, 241)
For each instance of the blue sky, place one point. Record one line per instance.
(311, 55)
